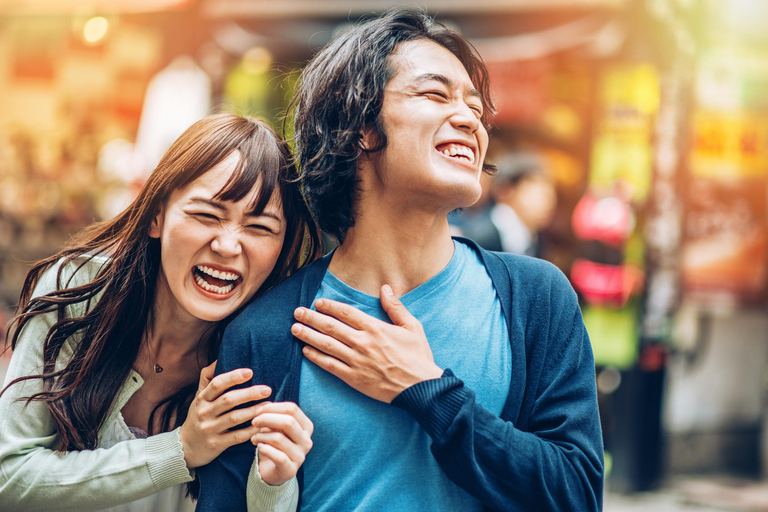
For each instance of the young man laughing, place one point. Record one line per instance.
(438, 376)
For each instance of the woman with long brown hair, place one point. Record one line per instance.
(110, 401)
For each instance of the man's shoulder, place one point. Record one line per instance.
(275, 307)
(530, 279)
(521, 269)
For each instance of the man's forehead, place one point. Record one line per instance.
(423, 60)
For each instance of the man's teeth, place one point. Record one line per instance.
(226, 276)
(213, 288)
(459, 150)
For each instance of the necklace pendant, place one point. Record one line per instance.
(158, 368)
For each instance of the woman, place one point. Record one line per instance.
(106, 402)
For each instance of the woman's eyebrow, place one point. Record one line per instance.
(209, 202)
(265, 213)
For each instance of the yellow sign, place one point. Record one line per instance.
(621, 150)
(729, 146)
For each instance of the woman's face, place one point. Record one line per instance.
(214, 254)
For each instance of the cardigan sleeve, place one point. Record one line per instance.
(556, 462)
(34, 476)
(231, 482)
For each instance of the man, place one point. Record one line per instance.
(461, 379)
(525, 201)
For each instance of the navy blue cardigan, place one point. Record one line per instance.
(545, 452)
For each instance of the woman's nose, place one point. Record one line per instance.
(227, 244)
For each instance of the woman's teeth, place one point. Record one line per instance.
(212, 287)
(226, 276)
(215, 281)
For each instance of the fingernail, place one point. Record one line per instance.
(305, 351)
(388, 290)
(246, 374)
(298, 313)
(266, 392)
(296, 328)
(319, 303)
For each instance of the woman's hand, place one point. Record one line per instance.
(374, 357)
(283, 440)
(205, 433)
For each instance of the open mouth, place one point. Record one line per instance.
(217, 282)
(457, 151)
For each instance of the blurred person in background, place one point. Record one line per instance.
(524, 202)
(429, 387)
(110, 401)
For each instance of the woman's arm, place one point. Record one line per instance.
(33, 476)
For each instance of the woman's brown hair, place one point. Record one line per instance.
(80, 395)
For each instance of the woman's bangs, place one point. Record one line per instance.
(259, 166)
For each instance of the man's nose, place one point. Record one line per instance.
(465, 119)
(227, 243)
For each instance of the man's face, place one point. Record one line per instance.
(436, 142)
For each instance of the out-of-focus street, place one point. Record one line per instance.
(631, 141)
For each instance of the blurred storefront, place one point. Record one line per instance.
(651, 114)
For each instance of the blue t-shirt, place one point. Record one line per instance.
(368, 455)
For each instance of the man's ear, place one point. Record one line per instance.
(156, 226)
(368, 138)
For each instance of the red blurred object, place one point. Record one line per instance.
(607, 219)
(601, 284)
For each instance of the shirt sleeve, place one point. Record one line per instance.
(34, 476)
(556, 463)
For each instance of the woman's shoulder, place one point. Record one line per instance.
(69, 272)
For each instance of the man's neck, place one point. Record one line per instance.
(401, 249)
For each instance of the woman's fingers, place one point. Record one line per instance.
(235, 417)
(285, 424)
(236, 397)
(236, 437)
(275, 467)
(288, 408)
(223, 382)
(280, 442)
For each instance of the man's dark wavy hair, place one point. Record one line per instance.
(339, 97)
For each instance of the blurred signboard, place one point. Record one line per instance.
(729, 145)
(726, 239)
(621, 152)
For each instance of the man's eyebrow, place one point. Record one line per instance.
(450, 84)
(220, 206)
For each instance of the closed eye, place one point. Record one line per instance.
(260, 227)
(439, 94)
(206, 216)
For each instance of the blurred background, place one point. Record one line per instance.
(632, 142)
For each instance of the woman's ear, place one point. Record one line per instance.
(156, 226)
